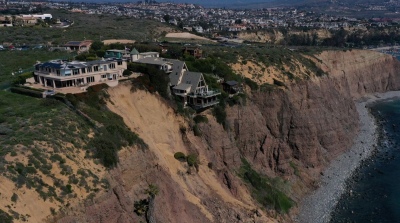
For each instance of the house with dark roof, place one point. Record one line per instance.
(191, 87)
(79, 46)
(61, 74)
(231, 87)
(194, 91)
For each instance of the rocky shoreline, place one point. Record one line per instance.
(317, 207)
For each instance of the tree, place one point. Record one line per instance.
(126, 73)
(167, 18)
(97, 45)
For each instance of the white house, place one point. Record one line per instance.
(60, 74)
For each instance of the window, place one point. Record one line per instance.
(75, 71)
(83, 70)
(89, 69)
(119, 63)
(112, 65)
(58, 72)
(89, 79)
(96, 68)
(104, 76)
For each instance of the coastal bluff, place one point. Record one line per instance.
(290, 133)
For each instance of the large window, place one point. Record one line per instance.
(112, 65)
(83, 70)
(89, 79)
(89, 69)
(119, 62)
(75, 71)
(96, 68)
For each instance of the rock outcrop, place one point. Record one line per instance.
(292, 133)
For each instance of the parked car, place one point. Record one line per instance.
(49, 92)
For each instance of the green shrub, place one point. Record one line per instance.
(141, 207)
(192, 159)
(5, 217)
(279, 83)
(200, 119)
(220, 114)
(196, 130)
(126, 73)
(105, 151)
(237, 99)
(28, 92)
(57, 157)
(264, 189)
(252, 84)
(14, 197)
(180, 156)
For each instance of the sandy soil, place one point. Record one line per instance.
(317, 207)
(185, 36)
(160, 130)
(122, 41)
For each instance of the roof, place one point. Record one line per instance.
(134, 52)
(176, 73)
(192, 78)
(183, 87)
(232, 83)
(153, 60)
(117, 51)
(149, 53)
(78, 43)
(60, 64)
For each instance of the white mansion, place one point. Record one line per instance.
(59, 73)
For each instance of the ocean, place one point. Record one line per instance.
(373, 192)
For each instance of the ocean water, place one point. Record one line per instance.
(373, 192)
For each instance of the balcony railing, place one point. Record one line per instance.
(206, 94)
(204, 105)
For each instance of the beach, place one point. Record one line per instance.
(317, 206)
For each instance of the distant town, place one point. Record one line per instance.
(202, 20)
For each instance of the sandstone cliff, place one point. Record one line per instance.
(291, 133)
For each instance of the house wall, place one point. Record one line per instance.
(49, 77)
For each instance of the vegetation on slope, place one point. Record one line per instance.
(111, 133)
(265, 190)
(14, 61)
(42, 139)
(86, 27)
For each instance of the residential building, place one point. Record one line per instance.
(118, 54)
(191, 87)
(60, 74)
(232, 87)
(135, 55)
(40, 16)
(193, 51)
(79, 46)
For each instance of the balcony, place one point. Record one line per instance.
(209, 93)
(204, 105)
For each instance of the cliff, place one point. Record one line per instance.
(290, 134)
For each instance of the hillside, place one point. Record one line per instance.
(256, 167)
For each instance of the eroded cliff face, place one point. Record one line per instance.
(292, 133)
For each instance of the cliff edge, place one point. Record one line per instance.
(289, 134)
